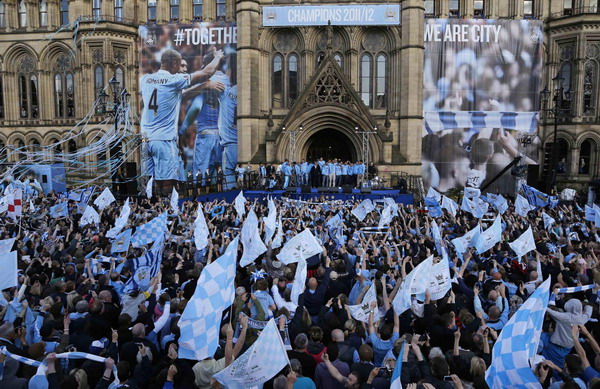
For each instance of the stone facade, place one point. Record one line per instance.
(342, 80)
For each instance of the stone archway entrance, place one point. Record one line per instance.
(328, 144)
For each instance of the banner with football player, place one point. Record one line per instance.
(189, 102)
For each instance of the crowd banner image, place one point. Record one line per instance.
(188, 90)
(336, 15)
(481, 83)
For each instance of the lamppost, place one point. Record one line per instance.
(561, 107)
(120, 100)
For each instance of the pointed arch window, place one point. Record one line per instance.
(43, 13)
(28, 88)
(21, 150)
(98, 78)
(277, 88)
(366, 85)
(120, 76)
(590, 82)
(1, 98)
(339, 60)
(286, 80)
(381, 81)
(3, 153)
(22, 14)
(586, 156)
(64, 87)
(292, 87)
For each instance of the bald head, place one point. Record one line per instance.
(105, 296)
(171, 61)
(312, 283)
(337, 335)
(138, 330)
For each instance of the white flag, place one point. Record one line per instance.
(467, 240)
(389, 202)
(238, 204)
(4, 204)
(302, 246)
(121, 221)
(386, 217)
(31, 206)
(439, 279)
(105, 199)
(200, 229)
(449, 205)
(265, 358)
(299, 280)
(90, 216)
(361, 311)
(278, 240)
(149, 187)
(363, 209)
(488, 238)
(6, 245)
(9, 274)
(270, 221)
(522, 206)
(523, 244)
(253, 245)
(548, 220)
(175, 201)
(416, 282)
(596, 216)
(435, 194)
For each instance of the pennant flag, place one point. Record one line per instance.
(590, 214)
(523, 244)
(121, 221)
(548, 220)
(299, 280)
(151, 231)
(535, 197)
(121, 243)
(467, 240)
(397, 374)
(302, 246)
(15, 204)
(361, 311)
(278, 240)
(488, 238)
(434, 194)
(363, 209)
(149, 187)
(105, 199)
(6, 245)
(253, 245)
(175, 201)
(9, 274)
(59, 210)
(522, 206)
(238, 204)
(433, 207)
(270, 221)
(386, 217)
(90, 216)
(518, 343)
(265, 358)
(416, 282)
(201, 232)
(145, 267)
(200, 323)
(449, 205)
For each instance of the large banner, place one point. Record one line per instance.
(189, 101)
(481, 84)
(337, 15)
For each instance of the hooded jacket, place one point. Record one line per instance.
(573, 315)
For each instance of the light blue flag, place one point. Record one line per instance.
(481, 208)
(59, 210)
(200, 323)
(449, 205)
(416, 282)
(397, 374)
(467, 240)
(121, 243)
(145, 267)
(535, 197)
(151, 231)
(518, 342)
(590, 214)
(499, 202)
(488, 238)
(261, 362)
(437, 237)
(522, 206)
(433, 207)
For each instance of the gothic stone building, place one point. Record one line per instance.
(334, 85)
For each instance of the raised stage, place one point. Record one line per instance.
(229, 196)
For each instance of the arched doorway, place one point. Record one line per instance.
(329, 144)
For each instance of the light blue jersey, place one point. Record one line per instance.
(228, 116)
(161, 93)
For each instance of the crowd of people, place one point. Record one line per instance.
(73, 296)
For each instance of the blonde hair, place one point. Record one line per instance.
(477, 367)
(81, 377)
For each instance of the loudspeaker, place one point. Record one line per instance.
(347, 189)
(305, 189)
(365, 190)
(291, 189)
(323, 189)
